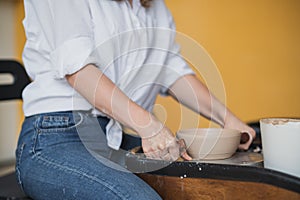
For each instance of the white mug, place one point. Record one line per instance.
(281, 144)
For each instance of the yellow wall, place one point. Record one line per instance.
(254, 43)
(20, 35)
(256, 46)
(20, 41)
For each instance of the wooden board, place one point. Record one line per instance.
(201, 188)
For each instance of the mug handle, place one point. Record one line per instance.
(246, 145)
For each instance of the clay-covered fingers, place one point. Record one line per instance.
(151, 152)
(153, 155)
(161, 152)
(156, 151)
(182, 150)
(178, 149)
(165, 146)
(173, 150)
(165, 155)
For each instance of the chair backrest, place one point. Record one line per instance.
(9, 188)
(20, 80)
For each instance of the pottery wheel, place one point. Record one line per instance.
(239, 158)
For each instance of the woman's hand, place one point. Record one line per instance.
(164, 146)
(190, 91)
(233, 122)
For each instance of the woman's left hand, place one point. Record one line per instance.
(235, 123)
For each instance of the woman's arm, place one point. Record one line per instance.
(100, 91)
(191, 92)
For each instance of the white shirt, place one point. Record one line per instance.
(133, 46)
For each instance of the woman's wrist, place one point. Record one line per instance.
(152, 127)
(231, 120)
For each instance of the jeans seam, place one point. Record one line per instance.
(84, 174)
(18, 172)
(34, 137)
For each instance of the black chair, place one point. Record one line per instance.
(9, 188)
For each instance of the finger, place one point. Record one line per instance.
(164, 151)
(182, 146)
(181, 142)
(186, 156)
(244, 146)
(161, 146)
(174, 156)
(182, 149)
(153, 156)
(156, 154)
(174, 151)
(149, 155)
(253, 133)
(166, 156)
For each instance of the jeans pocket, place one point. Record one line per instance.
(19, 154)
(59, 122)
(56, 128)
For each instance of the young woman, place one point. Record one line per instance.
(97, 67)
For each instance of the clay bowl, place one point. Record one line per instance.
(210, 143)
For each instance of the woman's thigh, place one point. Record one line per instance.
(53, 163)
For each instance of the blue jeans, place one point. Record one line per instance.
(63, 155)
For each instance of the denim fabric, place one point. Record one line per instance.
(58, 157)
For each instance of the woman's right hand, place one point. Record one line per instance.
(164, 146)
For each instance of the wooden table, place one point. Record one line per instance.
(198, 180)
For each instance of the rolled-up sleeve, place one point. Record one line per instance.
(68, 30)
(71, 56)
